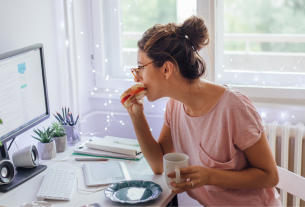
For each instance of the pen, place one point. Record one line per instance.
(90, 159)
(76, 119)
(56, 117)
(136, 145)
(72, 118)
(63, 113)
(60, 116)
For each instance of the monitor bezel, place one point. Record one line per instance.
(17, 52)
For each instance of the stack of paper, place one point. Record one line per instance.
(112, 147)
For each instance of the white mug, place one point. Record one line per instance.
(172, 162)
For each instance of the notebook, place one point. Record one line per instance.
(119, 145)
(100, 153)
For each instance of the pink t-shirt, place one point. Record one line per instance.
(216, 140)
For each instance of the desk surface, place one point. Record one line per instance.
(138, 170)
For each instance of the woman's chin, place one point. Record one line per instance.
(148, 97)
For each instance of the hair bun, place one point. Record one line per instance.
(196, 31)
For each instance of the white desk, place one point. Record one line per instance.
(138, 170)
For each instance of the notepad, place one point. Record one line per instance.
(120, 145)
(105, 173)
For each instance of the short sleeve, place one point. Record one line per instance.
(251, 123)
(167, 114)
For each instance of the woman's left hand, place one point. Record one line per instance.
(197, 174)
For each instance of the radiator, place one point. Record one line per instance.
(287, 145)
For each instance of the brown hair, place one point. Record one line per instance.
(178, 44)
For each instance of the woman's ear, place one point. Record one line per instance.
(168, 69)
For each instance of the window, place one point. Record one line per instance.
(260, 43)
(122, 23)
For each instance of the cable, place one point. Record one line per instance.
(16, 145)
(10, 144)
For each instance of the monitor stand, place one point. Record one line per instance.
(21, 174)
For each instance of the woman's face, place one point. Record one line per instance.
(150, 77)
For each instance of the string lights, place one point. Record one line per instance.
(109, 104)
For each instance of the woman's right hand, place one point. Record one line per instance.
(137, 108)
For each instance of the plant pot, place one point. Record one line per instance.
(61, 143)
(46, 151)
(72, 134)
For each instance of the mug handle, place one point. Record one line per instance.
(177, 171)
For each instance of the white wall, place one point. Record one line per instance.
(25, 23)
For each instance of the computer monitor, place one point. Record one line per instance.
(23, 97)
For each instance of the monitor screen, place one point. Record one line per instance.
(22, 92)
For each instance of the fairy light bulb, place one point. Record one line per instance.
(92, 93)
(150, 129)
(105, 104)
(93, 71)
(109, 101)
(91, 133)
(95, 88)
(107, 89)
(105, 128)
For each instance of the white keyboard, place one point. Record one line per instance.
(57, 185)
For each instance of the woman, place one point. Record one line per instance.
(231, 163)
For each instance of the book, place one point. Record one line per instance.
(100, 153)
(119, 145)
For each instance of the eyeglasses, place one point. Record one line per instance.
(135, 71)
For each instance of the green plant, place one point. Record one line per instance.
(45, 136)
(59, 130)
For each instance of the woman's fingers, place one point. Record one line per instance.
(184, 172)
(184, 185)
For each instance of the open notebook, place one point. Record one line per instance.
(119, 145)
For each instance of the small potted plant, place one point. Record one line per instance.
(59, 136)
(46, 145)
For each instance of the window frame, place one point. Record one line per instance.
(267, 93)
(211, 11)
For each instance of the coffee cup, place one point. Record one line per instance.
(173, 162)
